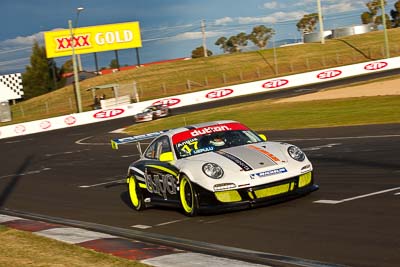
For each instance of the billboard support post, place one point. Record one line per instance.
(137, 57)
(76, 75)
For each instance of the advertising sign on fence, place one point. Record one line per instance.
(215, 94)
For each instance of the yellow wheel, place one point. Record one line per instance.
(135, 194)
(188, 197)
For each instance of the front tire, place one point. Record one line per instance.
(135, 194)
(188, 197)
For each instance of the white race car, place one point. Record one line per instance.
(152, 112)
(220, 166)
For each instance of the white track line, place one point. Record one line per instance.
(25, 173)
(342, 138)
(80, 142)
(323, 201)
(120, 181)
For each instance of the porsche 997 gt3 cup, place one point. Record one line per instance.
(215, 166)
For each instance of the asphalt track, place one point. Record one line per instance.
(352, 220)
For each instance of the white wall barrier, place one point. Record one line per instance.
(201, 97)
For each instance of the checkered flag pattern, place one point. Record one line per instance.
(11, 86)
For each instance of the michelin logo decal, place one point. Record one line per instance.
(267, 173)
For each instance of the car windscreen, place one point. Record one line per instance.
(209, 142)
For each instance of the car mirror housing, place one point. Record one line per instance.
(263, 137)
(167, 156)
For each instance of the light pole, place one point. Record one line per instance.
(387, 51)
(203, 33)
(74, 63)
(321, 22)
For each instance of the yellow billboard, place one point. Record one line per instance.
(93, 39)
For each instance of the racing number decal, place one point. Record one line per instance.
(189, 146)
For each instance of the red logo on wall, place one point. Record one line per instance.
(376, 65)
(275, 83)
(70, 120)
(19, 129)
(109, 113)
(329, 74)
(219, 93)
(168, 101)
(45, 125)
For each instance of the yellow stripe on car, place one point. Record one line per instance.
(164, 169)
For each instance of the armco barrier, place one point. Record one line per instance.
(201, 97)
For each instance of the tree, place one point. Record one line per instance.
(221, 42)
(67, 66)
(260, 36)
(307, 23)
(114, 64)
(237, 42)
(395, 14)
(371, 16)
(199, 52)
(42, 75)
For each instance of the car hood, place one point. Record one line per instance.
(246, 157)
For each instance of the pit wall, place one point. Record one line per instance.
(199, 97)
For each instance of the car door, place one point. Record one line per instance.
(161, 176)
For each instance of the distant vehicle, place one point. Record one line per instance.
(152, 112)
(215, 166)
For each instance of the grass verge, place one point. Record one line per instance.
(267, 115)
(163, 80)
(20, 248)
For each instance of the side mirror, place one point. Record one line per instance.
(263, 137)
(167, 156)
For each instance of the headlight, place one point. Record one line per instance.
(213, 170)
(296, 153)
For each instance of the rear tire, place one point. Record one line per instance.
(188, 197)
(135, 194)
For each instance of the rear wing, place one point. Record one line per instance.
(135, 138)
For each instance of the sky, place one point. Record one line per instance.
(169, 28)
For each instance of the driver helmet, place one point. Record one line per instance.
(217, 141)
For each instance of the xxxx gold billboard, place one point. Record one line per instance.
(93, 39)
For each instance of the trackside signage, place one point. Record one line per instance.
(329, 74)
(109, 113)
(215, 94)
(93, 39)
(376, 65)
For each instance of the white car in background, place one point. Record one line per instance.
(152, 112)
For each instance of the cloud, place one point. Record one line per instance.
(22, 41)
(194, 35)
(336, 6)
(330, 6)
(273, 18)
(224, 21)
(270, 5)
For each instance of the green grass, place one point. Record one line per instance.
(162, 80)
(267, 115)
